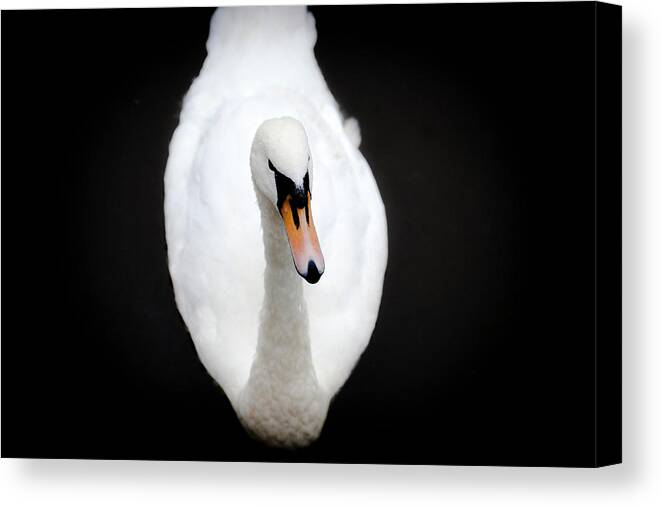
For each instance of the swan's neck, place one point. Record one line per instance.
(282, 402)
(283, 345)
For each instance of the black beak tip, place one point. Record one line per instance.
(313, 275)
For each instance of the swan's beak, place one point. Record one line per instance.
(297, 217)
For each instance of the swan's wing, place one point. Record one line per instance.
(351, 223)
(352, 130)
(215, 247)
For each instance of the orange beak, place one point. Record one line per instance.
(302, 237)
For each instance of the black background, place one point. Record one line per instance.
(478, 123)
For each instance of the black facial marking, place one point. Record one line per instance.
(299, 196)
(294, 214)
(284, 186)
(306, 182)
(306, 189)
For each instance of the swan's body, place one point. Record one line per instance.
(279, 347)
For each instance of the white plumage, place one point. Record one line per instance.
(261, 65)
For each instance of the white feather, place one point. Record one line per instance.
(261, 65)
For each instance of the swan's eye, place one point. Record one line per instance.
(271, 166)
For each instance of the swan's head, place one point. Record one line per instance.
(281, 168)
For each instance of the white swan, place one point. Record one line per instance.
(239, 185)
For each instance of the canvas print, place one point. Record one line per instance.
(347, 234)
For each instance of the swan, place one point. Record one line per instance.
(280, 302)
